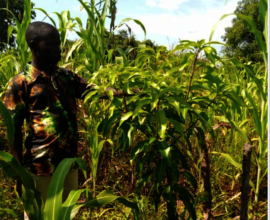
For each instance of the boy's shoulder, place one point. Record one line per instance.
(20, 78)
(65, 72)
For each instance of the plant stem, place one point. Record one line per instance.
(245, 181)
(205, 173)
(192, 73)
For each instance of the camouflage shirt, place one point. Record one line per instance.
(49, 107)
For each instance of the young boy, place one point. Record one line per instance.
(44, 95)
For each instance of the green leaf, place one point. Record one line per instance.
(9, 32)
(75, 45)
(136, 150)
(240, 131)
(159, 173)
(109, 123)
(140, 105)
(165, 151)
(214, 42)
(125, 117)
(191, 179)
(212, 77)
(132, 205)
(258, 35)
(47, 15)
(229, 159)
(252, 28)
(14, 170)
(130, 19)
(179, 156)
(9, 211)
(110, 54)
(257, 121)
(154, 101)
(89, 95)
(145, 178)
(264, 18)
(175, 103)
(178, 126)
(186, 197)
(214, 28)
(68, 205)
(162, 123)
(104, 198)
(53, 205)
(122, 53)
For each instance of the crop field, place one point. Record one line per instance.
(185, 139)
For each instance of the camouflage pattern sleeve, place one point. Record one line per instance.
(14, 100)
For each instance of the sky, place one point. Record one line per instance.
(166, 21)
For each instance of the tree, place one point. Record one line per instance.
(123, 40)
(7, 19)
(241, 42)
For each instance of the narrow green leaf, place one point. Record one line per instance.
(136, 150)
(140, 105)
(214, 28)
(167, 156)
(132, 205)
(53, 205)
(229, 159)
(47, 15)
(109, 124)
(178, 126)
(159, 173)
(162, 123)
(240, 131)
(191, 179)
(125, 117)
(257, 121)
(68, 205)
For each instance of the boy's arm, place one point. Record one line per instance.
(16, 149)
(81, 86)
(14, 101)
(16, 152)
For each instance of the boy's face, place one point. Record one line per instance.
(48, 49)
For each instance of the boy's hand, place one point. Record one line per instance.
(115, 92)
(120, 93)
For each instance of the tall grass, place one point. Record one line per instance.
(180, 106)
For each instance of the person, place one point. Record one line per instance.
(45, 96)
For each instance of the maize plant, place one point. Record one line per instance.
(182, 116)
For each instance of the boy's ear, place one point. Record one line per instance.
(33, 45)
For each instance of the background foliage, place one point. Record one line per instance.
(240, 42)
(6, 19)
(170, 145)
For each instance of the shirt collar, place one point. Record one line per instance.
(33, 72)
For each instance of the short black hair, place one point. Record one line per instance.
(35, 31)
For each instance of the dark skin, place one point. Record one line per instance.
(47, 52)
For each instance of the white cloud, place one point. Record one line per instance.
(195, 24)
(151, 3)
(165, 4)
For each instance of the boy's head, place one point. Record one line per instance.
(44, 42)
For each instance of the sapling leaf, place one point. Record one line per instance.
(162, 123)
(229, 159)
